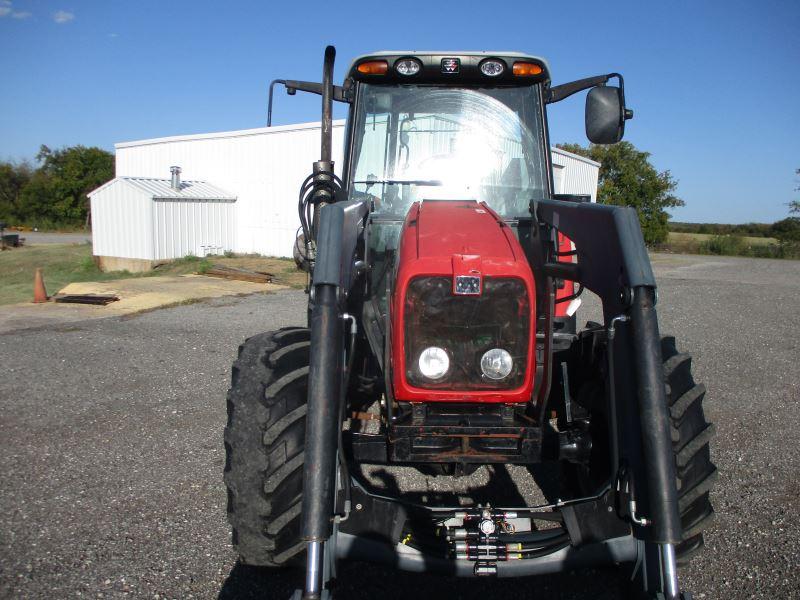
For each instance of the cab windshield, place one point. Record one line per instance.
(417, 143)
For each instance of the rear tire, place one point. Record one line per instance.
(691, 434)
(264, 446)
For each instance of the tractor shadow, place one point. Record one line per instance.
(365, 581)
(360, 580)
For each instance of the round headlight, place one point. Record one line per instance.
(496, 363)
(492, 68)
(434, 362)
(407, 66)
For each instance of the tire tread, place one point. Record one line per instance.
(264, 441)
(691, 436)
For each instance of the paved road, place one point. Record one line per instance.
(111, 454)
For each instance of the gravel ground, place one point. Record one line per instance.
(111, 454)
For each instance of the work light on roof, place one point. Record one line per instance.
(407, 66)
(492, 67)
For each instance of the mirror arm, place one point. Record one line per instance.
(627, 113)
(340, 94)
(565, 90)
(269, 102)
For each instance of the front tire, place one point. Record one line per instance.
(691, 434)
(264, 446)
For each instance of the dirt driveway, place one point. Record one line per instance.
(136, 295)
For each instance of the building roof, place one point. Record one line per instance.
(161, 189)
(278, 129)
(577, 157)
(226, 134)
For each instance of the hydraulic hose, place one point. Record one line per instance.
(534, 537)
(536, 553)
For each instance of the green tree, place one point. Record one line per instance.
(56, 193)
(627, 178)
(13, 178)
(787, 230)
(38, 207)
(794, 205)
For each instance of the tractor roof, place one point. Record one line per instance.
(437, 67)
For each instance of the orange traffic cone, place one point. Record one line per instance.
(39, 291)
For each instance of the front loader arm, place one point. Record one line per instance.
(339, 228)
(613, 263)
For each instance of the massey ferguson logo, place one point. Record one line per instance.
(451, 65)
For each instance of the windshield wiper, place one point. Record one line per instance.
(402, 181)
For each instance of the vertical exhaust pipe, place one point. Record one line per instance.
(323, 168)
(327, 103)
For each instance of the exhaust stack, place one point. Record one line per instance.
(175, 181)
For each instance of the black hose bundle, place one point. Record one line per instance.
(537, 538)
(316, 188)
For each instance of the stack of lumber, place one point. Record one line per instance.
(240, 274)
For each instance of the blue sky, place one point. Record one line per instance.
(715, 85)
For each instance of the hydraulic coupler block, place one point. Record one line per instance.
(477, 539)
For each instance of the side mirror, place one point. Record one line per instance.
(606, 114)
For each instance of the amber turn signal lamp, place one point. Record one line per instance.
(526, 69)
(373, 67)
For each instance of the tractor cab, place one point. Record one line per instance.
(432, 127)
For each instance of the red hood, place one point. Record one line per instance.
(445, 228)
(452, 238)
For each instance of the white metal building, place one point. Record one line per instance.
(574, 174)
(264, 168)
(138, 221)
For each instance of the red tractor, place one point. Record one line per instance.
(441, 268)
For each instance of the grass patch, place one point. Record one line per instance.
(47, 226)
(728, 245)
(63, 264)
(182, 266)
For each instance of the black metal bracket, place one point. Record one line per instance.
(449, 435)
(340, 93)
